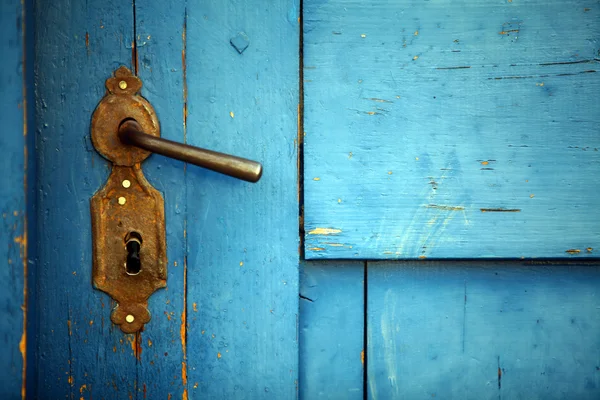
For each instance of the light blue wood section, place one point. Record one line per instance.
(459, 330)
(80, 353)
(451, 129)
(13, 240)
(331, 330)
(242, 238)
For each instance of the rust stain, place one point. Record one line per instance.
(316, 249)
(149, 343)
(422, 257)
(445, 208)
(573, 251)
(484, 162)
(69, 327)
(589, 249)
(324, 231)
(219, 355)
(508, 31)
(500, 209)
(71, 380)
(362, 356)
(195, 306)
(82, 388)
(184, 395)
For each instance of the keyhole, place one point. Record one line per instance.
(133, 244)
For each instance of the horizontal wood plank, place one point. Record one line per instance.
(451, 130)
(468, 330)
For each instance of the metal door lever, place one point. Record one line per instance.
(131, 133)
(128, 218)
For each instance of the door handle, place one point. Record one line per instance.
(128, 218)
(131, 133)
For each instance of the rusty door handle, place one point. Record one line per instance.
(131, 133)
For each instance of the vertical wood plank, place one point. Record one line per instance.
(81, 354)
(13, 233)
(242, 239)
(160, 64)
(331, 330)
(483, 331)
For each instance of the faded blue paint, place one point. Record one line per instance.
(451, 130)
(483, 330)
(331, 330)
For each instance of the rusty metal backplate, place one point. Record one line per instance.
(126, 207)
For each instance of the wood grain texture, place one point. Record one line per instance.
(242, 239)
(13, 234)
(468, 330)
(451, 130)
(331, 330)
(80, 353)
(162, 366)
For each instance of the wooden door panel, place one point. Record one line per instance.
(471, 330)
(78, 350)
(226, 325)
(15, 142)
(331, 330)
(242, 239)
(445, 130)
(162, 365)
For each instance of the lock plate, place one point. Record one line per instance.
(127, 208)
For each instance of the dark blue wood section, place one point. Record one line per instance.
(81, 354)
(467, 330)
(331, 330)
(242, 238)
(13, 234)
(162, 359)
(451, 130)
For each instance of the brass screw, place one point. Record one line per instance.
(126, 183)
(123, 85)
(130, 318)
(122, 200)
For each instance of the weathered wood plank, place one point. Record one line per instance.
(80, 352)
(242, 239)
(162, 362)
(451, 130)
(468, 330)
(331, 330)
(13, 206)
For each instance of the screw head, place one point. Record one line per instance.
(126, 183)
(122, 200)
(129, 318)
(123, 85)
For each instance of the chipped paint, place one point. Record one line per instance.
(445, 208)
(316, 249)
(325, 231)
(573, 251)
(500, 209)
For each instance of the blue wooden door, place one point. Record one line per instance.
(220, 75)
(451, 160)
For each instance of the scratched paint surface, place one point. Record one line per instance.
(225, 327)
(242, 239)
(13, 239)
(445, 129)
(468, 330)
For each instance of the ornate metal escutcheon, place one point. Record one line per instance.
(127, 213)
(128, 219)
